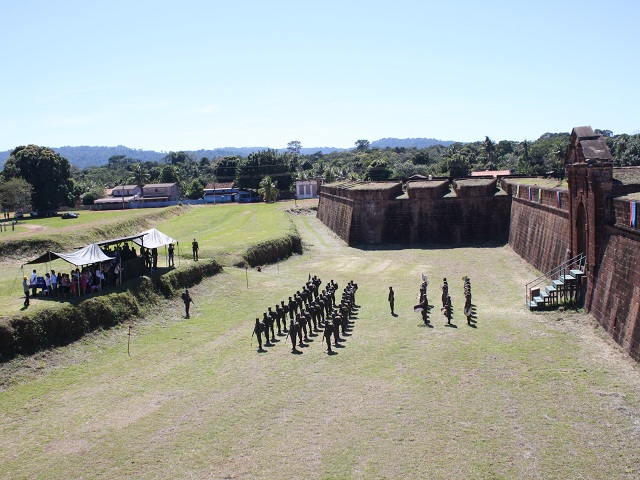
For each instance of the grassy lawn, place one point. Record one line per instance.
(524, 395)
(223, 232)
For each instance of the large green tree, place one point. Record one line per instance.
(15, 195)
(48, 173)
(279, 166)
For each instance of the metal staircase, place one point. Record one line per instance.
(562, 285)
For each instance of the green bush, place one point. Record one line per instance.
(273, 250)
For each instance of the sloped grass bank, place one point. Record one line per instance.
(52, 327)
(56, 235)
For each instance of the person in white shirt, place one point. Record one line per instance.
(54, 282)
(32, 282)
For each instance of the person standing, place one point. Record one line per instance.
(33, 281)
(154, 258)
(391, 299)
(54, 283)
(257, 331)
(25, 285)
(171, 252)
(186, 298)
(195, 247)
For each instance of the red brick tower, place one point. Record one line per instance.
(589, 173)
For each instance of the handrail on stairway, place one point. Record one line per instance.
(560, 270)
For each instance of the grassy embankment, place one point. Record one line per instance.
(263, 233)
(523, 395)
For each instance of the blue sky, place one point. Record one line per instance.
(205, 74)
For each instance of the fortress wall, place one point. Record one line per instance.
(539, 233)
(615, 302)
(336, 213)
(460, 220)
(377, 219)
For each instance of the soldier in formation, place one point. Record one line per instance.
(310, 312)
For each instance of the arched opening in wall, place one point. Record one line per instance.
(581, 230)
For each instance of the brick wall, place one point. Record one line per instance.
(335, 212)
(539, 233)
(429, 216)
(615, 302)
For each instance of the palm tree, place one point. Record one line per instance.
(489, 147)
(268, 189)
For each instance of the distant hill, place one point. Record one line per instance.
(409, 142)
(85, 156)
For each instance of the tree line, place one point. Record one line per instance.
(39, 178)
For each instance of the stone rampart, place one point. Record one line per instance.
(475, 211)
(615, 302)
(539, 233)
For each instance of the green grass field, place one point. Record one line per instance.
(223, 232)
(526, 396)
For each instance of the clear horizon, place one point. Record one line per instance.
(205, 75)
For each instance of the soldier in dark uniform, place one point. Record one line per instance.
(293, 332)
(186, 298)
(298, 329)
(298, 299)
(319, 312)
(328, 330)
(267, 320)
(292, 308)
(257, 331)
(336, 329)
(275, 319)
(445, 292)
(391, 298)
(447, 309)
(284, 309)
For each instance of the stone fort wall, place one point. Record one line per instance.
(430, 212)
(615, 302)
(539, 225)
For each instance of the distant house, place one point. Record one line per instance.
(126, 190)
(160, 193)
(220, 193)
(308, 188)
(119, 197)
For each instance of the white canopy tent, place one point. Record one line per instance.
(154, 238)
(84, 256)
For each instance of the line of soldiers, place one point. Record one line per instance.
(310, 311)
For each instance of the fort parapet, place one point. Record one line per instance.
(468, 211)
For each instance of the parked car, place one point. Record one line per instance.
(69, 215)
(18, 216)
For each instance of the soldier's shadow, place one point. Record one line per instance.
(451, 325)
